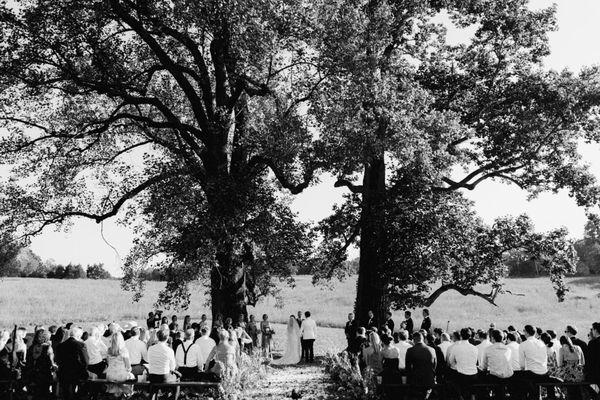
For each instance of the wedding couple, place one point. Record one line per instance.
(301, 335)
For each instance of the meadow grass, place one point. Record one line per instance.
(30, 301)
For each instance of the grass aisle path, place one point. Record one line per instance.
(308, 380)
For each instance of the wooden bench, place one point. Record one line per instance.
(152, 388)
(442, 389)
(7, 386)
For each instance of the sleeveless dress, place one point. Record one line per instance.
(117, 372)
(293, 348)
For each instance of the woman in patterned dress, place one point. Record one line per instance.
(267, 336)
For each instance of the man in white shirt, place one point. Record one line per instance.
(138, 352)
(96, 350)
(496, 361)
(463, 358)
(189, 358)
(513, 346)
(484, 343)
(402, 347)
(445, 343)
(533, 360)
(161, 360)
(308, 332)
(205, 343)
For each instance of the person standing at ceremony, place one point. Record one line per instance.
(138, 352)
(205, 343)
(267, 336)
(371, 322)
(403, 345)
(308, 332)
(484, 343)
(426, 324)
(350, 329)
(408, 321)
(420, 366)
(389, 322)
(72, 360)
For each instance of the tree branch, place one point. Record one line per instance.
(489, 297)
(344, 182)
(281, 176)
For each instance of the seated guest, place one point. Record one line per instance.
(592, 356)
(72, 360)
(138, 352)
(390, 356)
(571, 333)
(224, 357)
(371, 354)
(552, 356)
(571, 361)
(420, 366)
(189, 358)
(463, 358)
(496, 361)
(97, 353)
(161, 360)
(6, 372)
(439, 356)
(205, 344)
(40, 366)
(152, 340)
(403, 345)
(119, 366)
(484, 343)
(445, 342)
(533, 360)
(513, 346)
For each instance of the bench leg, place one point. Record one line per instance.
(177, 390)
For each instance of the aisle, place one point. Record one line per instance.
(307, 379)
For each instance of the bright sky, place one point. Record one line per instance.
(573, 46)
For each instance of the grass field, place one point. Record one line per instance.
(46, 301)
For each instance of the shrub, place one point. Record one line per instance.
(347, 380)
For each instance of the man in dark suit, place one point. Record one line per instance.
(420, 366)
(426, 324)
(410, 325)
(72, 360)
(350, 329)
(371, 322)
(592, 356)
(389, 321)
(571, 332)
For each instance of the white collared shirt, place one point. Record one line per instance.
(464, 357)
(514, 355)
(205, 345)
(193, 358)
(96, 350)
(481, 351)
(308, 329)
(444, 347)
(137, 350)
(161, 359)
(533, 356)
(402, 348)
(496, 359)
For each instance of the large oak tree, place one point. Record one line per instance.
(179, 112)
(405, 101)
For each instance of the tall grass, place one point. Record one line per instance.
(30, 301)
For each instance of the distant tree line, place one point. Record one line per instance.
(26, 264)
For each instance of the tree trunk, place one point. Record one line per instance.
(371, 288)
(227, 287)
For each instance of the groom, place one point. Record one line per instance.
(308, 332)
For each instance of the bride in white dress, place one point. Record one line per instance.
(293, 350)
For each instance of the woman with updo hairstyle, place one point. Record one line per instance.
(224, 356)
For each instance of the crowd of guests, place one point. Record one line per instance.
(513, 362)
(62, 358)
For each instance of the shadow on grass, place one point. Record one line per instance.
(592, 282)
(319, 361)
